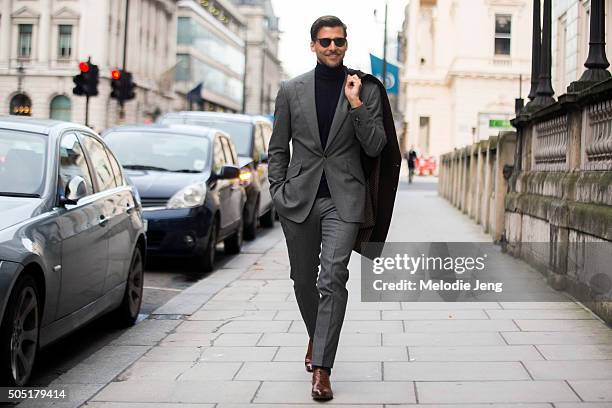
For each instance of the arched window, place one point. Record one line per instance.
(61, 108)
(21, 105)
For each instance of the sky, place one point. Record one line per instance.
(365, 31)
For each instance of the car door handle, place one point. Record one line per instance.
(103, 221)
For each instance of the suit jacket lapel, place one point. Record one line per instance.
(306, 96)
(342, 110)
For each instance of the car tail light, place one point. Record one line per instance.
(246, 176)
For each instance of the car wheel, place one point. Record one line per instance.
(234, 243)
(207, 260)
(127, 313)
(19, 333)
(267, 220)
(250, 229)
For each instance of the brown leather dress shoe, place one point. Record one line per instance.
(308, 358)
(321, 387)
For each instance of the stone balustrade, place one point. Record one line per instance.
(545, 192)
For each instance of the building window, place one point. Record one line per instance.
(65, 42)
(25, 41)
(503, 33)
(21, 105)
(61, 108)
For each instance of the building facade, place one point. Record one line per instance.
(263, 66)
(463, 64)
(42, 42)
(210, 53)
(570, 40)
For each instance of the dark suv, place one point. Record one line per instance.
(251, 135)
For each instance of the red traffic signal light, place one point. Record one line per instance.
(84, 67)
(115, 74)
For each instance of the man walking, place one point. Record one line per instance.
(411, 157)
(319, 190)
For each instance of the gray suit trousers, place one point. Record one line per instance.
(326, 240)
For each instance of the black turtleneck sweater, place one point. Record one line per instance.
(328, 87)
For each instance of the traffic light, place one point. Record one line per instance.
(122, 85)
(86, 83)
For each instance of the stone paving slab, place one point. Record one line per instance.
(238, 353)
(570, 370)
(345, 392)
(179, 391)
(433, 314)
(349, 353)
(144, 405)
(454, 371)
(495, 391)
(451, 326)
(301, 340)
(558, 337)
(294, 371)
(582, 326)
(593, 390)
(576, 352)
(443, 339)
(568, 314)
(474, 353)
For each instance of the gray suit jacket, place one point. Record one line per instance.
(295, 177)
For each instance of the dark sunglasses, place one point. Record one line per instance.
(326, 42)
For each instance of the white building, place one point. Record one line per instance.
(48, 38)
(211, 52)
(570, 40)
(461, 71)
(263, 66)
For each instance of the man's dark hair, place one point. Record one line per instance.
(325, 21)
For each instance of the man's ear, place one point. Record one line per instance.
(312, 46)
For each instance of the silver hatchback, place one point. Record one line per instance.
(72, 238)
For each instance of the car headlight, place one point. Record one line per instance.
(189, 197)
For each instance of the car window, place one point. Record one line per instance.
(116, 168)
(229, 158)
(219, 159)
(22, 162)
(164, 150)
(241, 133)
(72, 163)
(99, 161)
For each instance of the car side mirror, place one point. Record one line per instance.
(264, 158)
(229, 172)
(75, 190)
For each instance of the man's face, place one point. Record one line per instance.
(333, 55)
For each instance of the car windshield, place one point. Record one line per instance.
(161, 151)
(241, 133)
(22, 163)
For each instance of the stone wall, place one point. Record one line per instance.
(554, 207)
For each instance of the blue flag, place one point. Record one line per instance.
(392, 74)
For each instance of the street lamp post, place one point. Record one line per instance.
(596, 63)
(545, 92)
(384, 67)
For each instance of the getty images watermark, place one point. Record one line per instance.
(463, 271)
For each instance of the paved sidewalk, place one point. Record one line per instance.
(237, 340)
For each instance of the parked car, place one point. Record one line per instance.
(72, 238)
(189, 183)
(251, 135)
